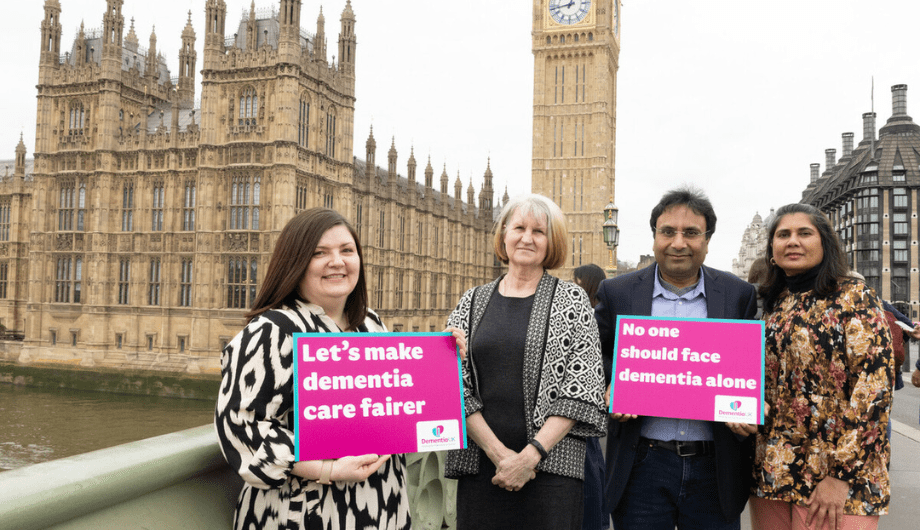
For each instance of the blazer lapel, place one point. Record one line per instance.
(642, 289)
(715, 295)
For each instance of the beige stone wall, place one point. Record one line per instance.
(419, 259)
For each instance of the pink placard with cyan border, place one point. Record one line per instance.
(376, 393)
(699, 369)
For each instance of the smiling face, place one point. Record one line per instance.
(333, 270)
(526, 240)
(796, 244)
(679, 258)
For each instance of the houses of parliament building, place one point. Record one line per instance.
(138, 235)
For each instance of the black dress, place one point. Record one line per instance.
(548, 501)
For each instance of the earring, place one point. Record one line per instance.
(773, 262)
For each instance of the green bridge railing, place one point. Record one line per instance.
(174, 481)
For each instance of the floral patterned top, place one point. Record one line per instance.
(828, 382)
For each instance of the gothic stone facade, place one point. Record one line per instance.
(142, 233)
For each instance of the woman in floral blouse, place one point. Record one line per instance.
(823, 453)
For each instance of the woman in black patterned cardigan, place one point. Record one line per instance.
(533, 382)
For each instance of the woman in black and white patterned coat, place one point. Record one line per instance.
(314, 283)
(533, 382)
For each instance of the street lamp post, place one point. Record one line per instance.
(611, 233)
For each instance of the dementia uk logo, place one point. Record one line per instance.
(736, 408)
(438, 435)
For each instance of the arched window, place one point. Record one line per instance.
(68, 280)
(249, 107)
(330, 132)
(81, 207)
(188, 207)
(127, 207)
(77, 118)
(156, 219)
(244, 202)
(303, 123)
(241, 281)
(66, 206)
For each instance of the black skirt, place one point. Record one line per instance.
(548, 501)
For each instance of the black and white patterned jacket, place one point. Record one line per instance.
(255, 422)
(563, 374)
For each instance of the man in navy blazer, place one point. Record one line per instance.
(664, 473)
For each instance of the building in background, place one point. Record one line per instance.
(141, 235)
(753, 245)
(870, 195)
(576, 48)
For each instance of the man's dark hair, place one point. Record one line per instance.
(692, 198)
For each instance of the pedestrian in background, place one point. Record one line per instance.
(589, 278)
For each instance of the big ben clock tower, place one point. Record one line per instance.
(576, 48)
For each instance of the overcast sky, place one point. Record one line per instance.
(736, 97)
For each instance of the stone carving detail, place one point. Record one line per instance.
(125, 243)
(186, 244)
(236, 243)
(64, 242)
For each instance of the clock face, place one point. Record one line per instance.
(569, 11)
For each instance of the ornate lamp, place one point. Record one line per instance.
(611, 232)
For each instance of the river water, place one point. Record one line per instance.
(37, 425)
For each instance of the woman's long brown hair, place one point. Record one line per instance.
(293, 252)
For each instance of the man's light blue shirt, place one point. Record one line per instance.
(691, 304)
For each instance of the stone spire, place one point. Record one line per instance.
(187, 59)
(371, 146)
(391, 159)
(458, 187)
(113, 26)
(411, 165)
(319, 44)
(79, 49)
(20, 158)
(485, 196)
(347, 41)
(429, 174)
(216, 16)
(153, 63)
(51, 34)
(252, 32)
(444, 180)
(131, 42)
